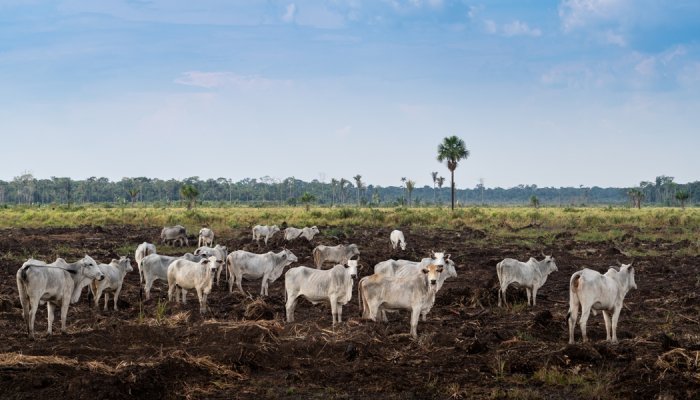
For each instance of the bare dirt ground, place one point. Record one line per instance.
(468, 348)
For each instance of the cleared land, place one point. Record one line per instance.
(468, 348)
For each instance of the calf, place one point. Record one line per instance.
(593, 291)
(188, 275)
(142, 251)
(397, 237)
(206, 237)
(114, 273)
(56, 284)
(264, 230)
(531, 275)
(334, 285)
(339, 254)
(269, 266)
(415, 293)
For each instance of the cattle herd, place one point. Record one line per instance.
(395, 285)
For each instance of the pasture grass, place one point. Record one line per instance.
(588, 224)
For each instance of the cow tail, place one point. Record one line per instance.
(574, 285)
(359, 298)
(140, 265)
(499, 271)
(23, 296)
(317, 257)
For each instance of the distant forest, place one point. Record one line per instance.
(26, 189)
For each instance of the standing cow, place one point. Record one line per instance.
(114, 273)
(531, 275)
(397, 237)
(264, 230)
(56, 284)
(142, 251)
(339, 254)
(218, 251)
(592, 290)
(334, 285)
(186, 275)
(269, 266)
(206, 237)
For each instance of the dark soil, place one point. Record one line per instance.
(468, 348)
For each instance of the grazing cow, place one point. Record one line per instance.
(56, 284)
(269, 266)
(339, 254)
(334, 285)
(397, 237)
(142, 251)
(188, 275)
(218, 251)
(174, 234)
(595, 291)
(114, 273)
(206, 237)
(292, 233)
(531, 275)
(264, 230)
(416, 293)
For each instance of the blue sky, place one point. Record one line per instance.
(553, 93)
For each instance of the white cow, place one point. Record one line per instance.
(187, 275)
(397, 237)
(334, 285)
(206, 237)
(264, 230)
(174, 234)
(155, 267)
(142, 251)
(309, 233)
(218, 251)
(292, 233)
(269, 266)
(595, 291)
(339, 254)
(114, 273)
(531, 275)
(56, 284)
(416, 293)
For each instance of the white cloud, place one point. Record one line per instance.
(517, 28)
(514, 28)
(211, 80)
(290, 13)
(580, 13)
(615, 38)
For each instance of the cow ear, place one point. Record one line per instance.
(425, 271)
(447, 257)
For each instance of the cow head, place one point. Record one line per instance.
(123, 264)
(352, 268)
(89, 268)
(352, 250)
(550, 264)
(630, 271)
(211, 262)
(403, 245)
(432, 272)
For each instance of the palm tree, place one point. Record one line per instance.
(410, 185)
(452, 149)
(358, 182)
(534, 201)
(307, 198)
(682, 196)
(403, 185)
(440, 182)
(190, 193)
(133, 192)
(334, 184)
(435, 177)
(637, 196)
(343, 182)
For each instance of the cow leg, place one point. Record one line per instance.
(147, 288)
(585, 312)
(528, 291)
(340, 312)
(606, 317)
(97, 293)
(334, 309)
(107, 300)
(239, 283)
(263, 289)
(615, 317)
(116, 296)
(423, 316)
(50, 308)
(183, 292)
(534, 295)
(64, 312)
(171, 291)
(34, 305)
(415, 313)
(573, 315)
(503, 293)
(290, 306)
(200, 296)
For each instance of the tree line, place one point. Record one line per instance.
(26, 189)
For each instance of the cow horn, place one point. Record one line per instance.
(542, 253)
(618, 262)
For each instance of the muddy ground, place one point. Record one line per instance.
(468, 348)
